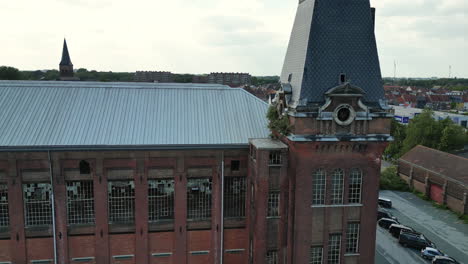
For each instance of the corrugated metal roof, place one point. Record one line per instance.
(92, 114)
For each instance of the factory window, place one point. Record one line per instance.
(275, 158)
(355, 182)
(316, 255)
(334, 248)
(161, 199)
(253, 152)
(4, 219)
(272, 257)
(318, 187)
(80, 202)
(234, 196)
(37, 203)
(337, 186)
(121, 201)
(199, 199)
(84, 167)
(352, 238)
(273, 203)
(235, 165)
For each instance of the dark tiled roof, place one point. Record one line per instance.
(340, 40)
(65, 56)
(447, 164)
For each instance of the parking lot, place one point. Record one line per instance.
(440, 226)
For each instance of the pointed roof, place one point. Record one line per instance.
(330, 38)
(65, 56)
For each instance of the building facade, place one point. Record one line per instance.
(230, 78)
(154, 76)
(181, 173)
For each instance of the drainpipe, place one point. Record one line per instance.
(222, 208)
(53, 207)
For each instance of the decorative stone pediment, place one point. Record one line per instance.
(345, 89)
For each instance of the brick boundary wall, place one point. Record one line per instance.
(455, 193)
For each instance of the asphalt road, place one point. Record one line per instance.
(441, 227)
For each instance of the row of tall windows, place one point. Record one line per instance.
(121, 201)
(334, 246)
(319, 183)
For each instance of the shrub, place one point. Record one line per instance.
(389, 180)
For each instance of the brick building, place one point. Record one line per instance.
(441, 176)
(233, 79)
(180, 173)
(154, 76)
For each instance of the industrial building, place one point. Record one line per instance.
(404, 115)
(188, 173)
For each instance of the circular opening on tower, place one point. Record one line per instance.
(344, 115)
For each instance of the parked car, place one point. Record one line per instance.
(395, 229)
(384, 202)
(382, 213)
(413, 240)
(430, 253)
(387, 222)
(444, 260)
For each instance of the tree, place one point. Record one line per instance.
(398, 131)
(425, 130)
(9, 73)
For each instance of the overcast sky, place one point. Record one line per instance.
(424, 37)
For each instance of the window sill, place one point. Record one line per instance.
(273, 217)
(352, 254)
(335, 205)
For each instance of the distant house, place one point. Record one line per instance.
(441, 176)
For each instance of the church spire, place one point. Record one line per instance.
(65, 56)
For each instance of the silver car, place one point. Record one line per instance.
(429, 253)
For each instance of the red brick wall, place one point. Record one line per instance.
(236, 239)
(81, 246)
(122, 244)
(5, 250)
(162, 242)
(39, 248)
(198, 241)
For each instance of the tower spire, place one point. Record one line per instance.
(65, 55)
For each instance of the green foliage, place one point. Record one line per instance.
(421, 195)
(260, 80)
(425, 130)
(389, 180)
(278, 123)
(398, 131)
(9, 73)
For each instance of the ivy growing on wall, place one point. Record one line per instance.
(278, 123)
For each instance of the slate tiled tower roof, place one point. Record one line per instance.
(65, 56)
(329, 38)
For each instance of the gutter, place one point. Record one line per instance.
(120, 147)
(222, 209)
(52, 197)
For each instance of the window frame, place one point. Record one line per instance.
(319, 187)
(337, 186)
(355, 189)
(352, 237)
(128, 217)
(156, 198)
(273, 204)
(334, 248)
(32, 217)
(88, 201)
(4, 214)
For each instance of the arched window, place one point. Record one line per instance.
(84, 167)
(318, 187)
(337, 186)
(355, 183)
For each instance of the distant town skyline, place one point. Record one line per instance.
(423, 37)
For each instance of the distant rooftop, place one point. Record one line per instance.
(96, 115)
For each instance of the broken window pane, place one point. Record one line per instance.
(275, 158)
(4, 219)
(80, 202)
(161, 200)
(37, 204)
(273, 203)
(121, 201)
(234, 196)
(199, 199)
